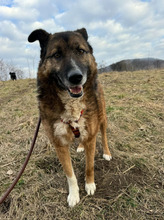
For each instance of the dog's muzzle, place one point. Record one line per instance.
(75, 79)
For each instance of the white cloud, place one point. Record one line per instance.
(17, 13)
(9, 30)
(106, 27)
(26, 3)
(45, 9)
(48, 25)
(133, 12)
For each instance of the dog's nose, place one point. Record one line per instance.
(75, 77)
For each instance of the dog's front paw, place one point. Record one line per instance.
(107, 157)
(90, 188)
(73, 198)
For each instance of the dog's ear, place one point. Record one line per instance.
(41, 35)
(83, 32)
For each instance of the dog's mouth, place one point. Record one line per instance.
(76, 91)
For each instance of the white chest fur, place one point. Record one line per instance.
(71, 117)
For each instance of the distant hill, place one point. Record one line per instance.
(134, 64)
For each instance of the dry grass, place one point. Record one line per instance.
(128, 187)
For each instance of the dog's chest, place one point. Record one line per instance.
(71, 119)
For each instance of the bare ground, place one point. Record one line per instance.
(130, 186)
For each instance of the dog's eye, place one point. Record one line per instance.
(56, 55)
(81, 51)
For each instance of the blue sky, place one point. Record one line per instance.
(117, 29)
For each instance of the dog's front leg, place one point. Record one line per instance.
(65, 160)
(62, 150)
(90, 145)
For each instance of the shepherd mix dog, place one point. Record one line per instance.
(71, 101)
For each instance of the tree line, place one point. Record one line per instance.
(133, 65)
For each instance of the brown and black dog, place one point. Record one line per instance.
(71, 101)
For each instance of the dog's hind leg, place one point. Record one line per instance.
(80, 148)
(64, 157)
(106, 152)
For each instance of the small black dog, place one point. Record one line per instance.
(13, 76)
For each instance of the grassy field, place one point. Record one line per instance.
(130, 186)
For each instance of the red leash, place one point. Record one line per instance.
(24, 165)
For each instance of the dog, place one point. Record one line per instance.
(71, 101)
(13, 76)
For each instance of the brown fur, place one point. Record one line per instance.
(56, 103)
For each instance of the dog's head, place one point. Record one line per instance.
(66, 57)
(12, 74)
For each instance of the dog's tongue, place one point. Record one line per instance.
(76, 89)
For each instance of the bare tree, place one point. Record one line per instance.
(3, 71)
(19, 73)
